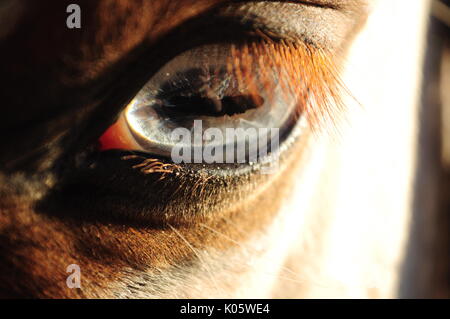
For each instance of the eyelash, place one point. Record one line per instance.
(310, 73)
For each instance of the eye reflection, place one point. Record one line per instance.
(215, 86)
(204, 92)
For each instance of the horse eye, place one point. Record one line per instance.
(228, 88)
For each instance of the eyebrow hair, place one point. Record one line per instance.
(326, 3)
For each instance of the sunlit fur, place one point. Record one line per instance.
(307, 73)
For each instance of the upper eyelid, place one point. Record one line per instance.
(323, 27)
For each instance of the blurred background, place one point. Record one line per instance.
(431, 230)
